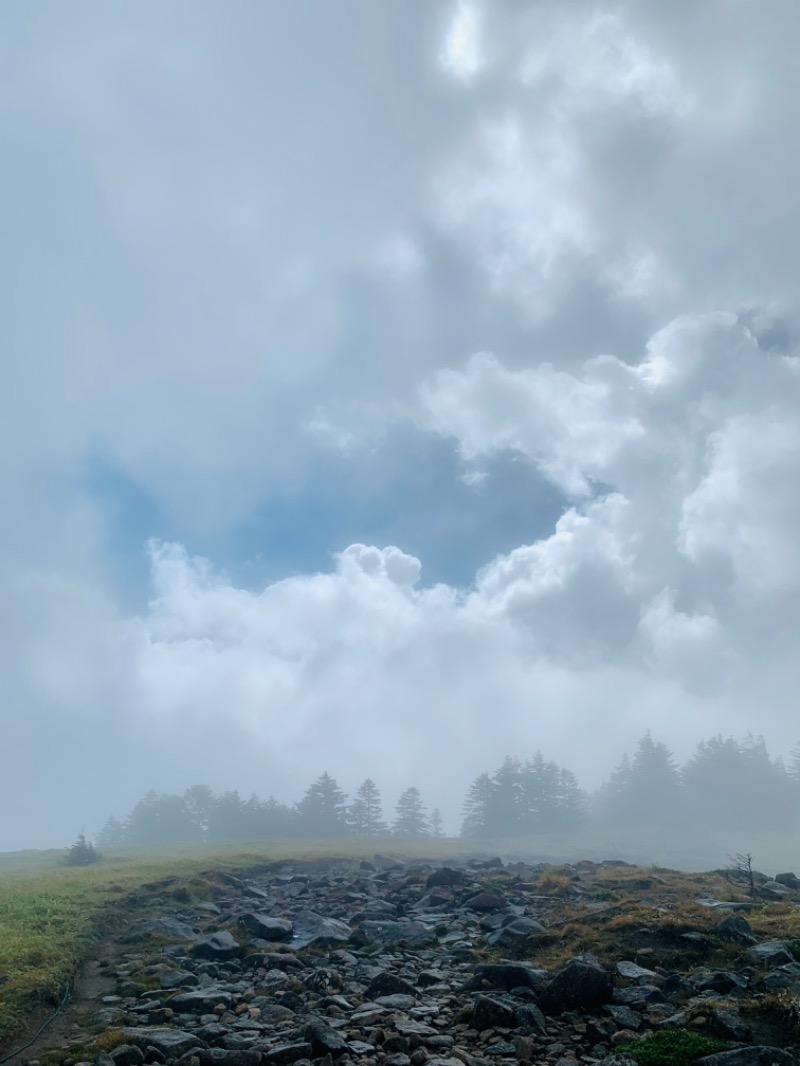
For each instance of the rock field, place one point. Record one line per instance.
(393, 963)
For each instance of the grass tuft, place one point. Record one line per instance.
(674, 1047)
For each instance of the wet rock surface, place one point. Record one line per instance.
(391, 963)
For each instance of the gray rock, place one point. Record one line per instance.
(170, 929)
(203, 1001)
(758, 1055)
(487, 901)
(631, 971)
(324, 1040)
(789, 880)
(513, 931)
(625, 1017)
(783, 977)
(389, 984)
(170, 1042)
(505, 1012)
(218, 946)
(388, 933)
(583, 984)
(492, 1013)
(177, 979)
(735, 928)
(771, 953)
(397, 1002)
(127, 1055)
(508, 975)
(286, 1054)
(446, 876)
(266, 927)
(312, 928)
(729, 1025)
(638, 997)
(721, 981)
(218, 1056)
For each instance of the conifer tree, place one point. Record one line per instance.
(322, 812)
(476, 810)
(411, 819)
(365, 814)
(437, 823)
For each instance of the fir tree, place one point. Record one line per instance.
(322, 812)
(437, 823)
(365, 815)
(475, 813)
(411, 819)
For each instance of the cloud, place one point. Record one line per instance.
(683, 465)
(552, 235)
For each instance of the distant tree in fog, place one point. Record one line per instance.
(411, 819)
(365, 814)
(475, 812)
(645, 790)
(159, 820)
(730, 783)
(437, 823)
(200, 801)
(322, 812)
(112, 835)
(537, 796)
(226, 819)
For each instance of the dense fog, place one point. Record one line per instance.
(395, 392)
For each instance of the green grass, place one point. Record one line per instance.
(674, 1047)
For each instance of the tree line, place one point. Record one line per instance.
(727, 783)
(198, 815)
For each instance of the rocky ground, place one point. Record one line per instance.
(392, 963)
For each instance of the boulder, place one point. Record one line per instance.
(414, 934)
(771, 953)
(735, 928)
(757, 1055)
(202, 1001)
(312, 928)
(172, 1043)
(446, 877)
(127, 1055)
(389, 984)
(508, 975)
(511, 932)
(219, 946)
(583, 984)
(324, 1040)
(266, 927)
(487, 901)
(170, 929)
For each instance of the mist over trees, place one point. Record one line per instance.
(726, 784)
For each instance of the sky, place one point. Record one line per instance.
(387, 388)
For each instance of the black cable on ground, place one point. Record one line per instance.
(40, 1030)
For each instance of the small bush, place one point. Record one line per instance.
(673, 1047)
(82, 853)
